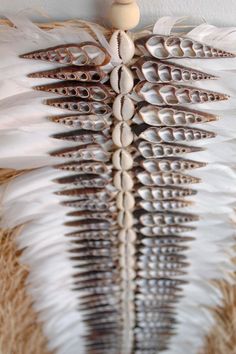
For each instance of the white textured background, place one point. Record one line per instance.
(218, 12)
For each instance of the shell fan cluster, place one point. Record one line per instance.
(127, 190)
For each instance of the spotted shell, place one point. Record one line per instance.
(86, 91)
(169, 116)
(80, 106)
(167, 47)
(86, 53)
(156, 71)
(170, 94)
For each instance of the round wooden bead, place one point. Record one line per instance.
(123, 108)
(124, 15)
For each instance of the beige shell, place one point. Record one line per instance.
(122, 135)
(169, 116)
(127, 236)
(122, 45)
(156, 71)
(125, 201)
(122, 160)
(79, 106)
(123, 181)
(86, 53)
(125, 219)
(170, 94)
(166, 47)
(73, 72)
(121, 79)
(123, 107)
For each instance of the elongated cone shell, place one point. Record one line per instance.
(170, 94)
(167, 47)
(156, 71)
(86, 53)
(73, 72)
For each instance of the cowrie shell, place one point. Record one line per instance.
(125, 219)
(122, 135)
(122, 45)
(121, 79)
(123, 108)
(122, 160)
(125, 201)
(127, 236)
(128, 249)
(123, 181)
(128, 274)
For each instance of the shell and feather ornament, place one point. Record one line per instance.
(129, 187)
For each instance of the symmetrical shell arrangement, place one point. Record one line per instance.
(128, 179)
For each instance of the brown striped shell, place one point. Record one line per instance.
(156, 71)
(86, 91)
(170, 94)
(165, 179)
(167, 47)
(167, 193)
(80, 106)
(166, 165)
(170, 116)
(73, 72)
(85, 122)
(86, 53)
(150, 150)
(175, 134)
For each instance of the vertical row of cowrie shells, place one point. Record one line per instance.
(122, 82)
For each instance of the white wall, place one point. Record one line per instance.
(218, 12)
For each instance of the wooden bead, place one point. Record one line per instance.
(124, 15)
